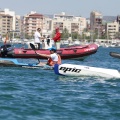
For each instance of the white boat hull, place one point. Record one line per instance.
(80, 70)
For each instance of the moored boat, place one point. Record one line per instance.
(12, 62)
(71, 52)
(115, 54)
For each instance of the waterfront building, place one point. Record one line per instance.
(6, 22)
(96, 22)
(9, 21)
(12, 13)
(118, 20)
(69, 22)
(34, 20)
(47, 26)
(18, 23)
(112, 28)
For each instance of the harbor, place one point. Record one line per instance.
(60, 60)
(31, 93)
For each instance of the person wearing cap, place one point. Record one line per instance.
(57, 38)
(53, 58)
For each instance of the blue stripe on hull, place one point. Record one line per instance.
(56, 70)
(15, 62)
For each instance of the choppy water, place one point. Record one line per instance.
(36, 94)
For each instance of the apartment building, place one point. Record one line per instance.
(9, 21)
(46, 25)
(111, 29)
(11, 13)
(96, 22)
(118, 20)
(33, 21)
(5, 23)
(71, 23)
(17, 23)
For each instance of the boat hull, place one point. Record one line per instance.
(80, 70)
(72, 52)
(115, 54)
(12, 62)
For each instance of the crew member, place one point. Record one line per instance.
(6, 38)
(57, 38)
(37, 37)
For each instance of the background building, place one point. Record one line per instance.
(111, 29)
(9, 22)
(5, 23)
(69, 22)
(33, 21)
(96, 22)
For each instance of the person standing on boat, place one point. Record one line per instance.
(57, 38)
(6, 38)
(53, 58)
(48, 40)
(43, 42)
(37, 37)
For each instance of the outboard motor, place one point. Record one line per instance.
(4, 49)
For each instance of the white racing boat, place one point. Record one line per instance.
(80, 70)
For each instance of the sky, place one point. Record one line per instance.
(70, 7)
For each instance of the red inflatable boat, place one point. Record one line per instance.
(65, 53)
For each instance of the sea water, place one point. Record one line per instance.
(37, 94)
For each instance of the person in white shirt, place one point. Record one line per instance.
(53, 58)
(37, 37)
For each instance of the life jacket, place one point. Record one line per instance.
(52, 63)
